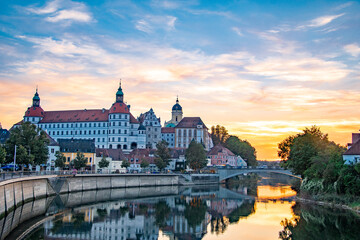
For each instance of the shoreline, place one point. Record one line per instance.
(328, 204)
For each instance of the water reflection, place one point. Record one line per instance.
(310, 222)
(240, 210)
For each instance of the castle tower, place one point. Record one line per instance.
(176, 113)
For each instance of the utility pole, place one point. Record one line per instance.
(15, 158)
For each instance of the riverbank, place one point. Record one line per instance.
(332, 200)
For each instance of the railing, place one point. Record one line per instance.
(20, 174)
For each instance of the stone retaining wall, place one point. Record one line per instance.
(16, 192)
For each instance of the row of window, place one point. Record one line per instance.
(80, 132)
(186, 132)
(119, 116)
(119, 124)
(71, 125)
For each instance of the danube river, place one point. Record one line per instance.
(252, 209)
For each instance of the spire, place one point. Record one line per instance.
(119, 94)
(177, 98)
(36, 98)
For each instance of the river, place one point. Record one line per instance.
(263, 209)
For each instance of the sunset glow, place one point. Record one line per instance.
(263, 70)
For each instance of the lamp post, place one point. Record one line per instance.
(14, 158)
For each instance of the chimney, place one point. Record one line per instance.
(355, 137)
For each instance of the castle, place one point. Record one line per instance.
(117, 128)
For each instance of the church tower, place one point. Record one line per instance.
(35, 113)
(176, 113)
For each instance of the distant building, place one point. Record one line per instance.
(168, 135)
(221, 156)
(115, 158)
(136, 156)
(53, 147)
(70, 148)
(176, 115)
(177, 160)
(190, 128)
(111, 128)
(152, 125)
(352, 154)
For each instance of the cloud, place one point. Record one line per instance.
(67, 11)
(299, 68)
(352, 49)
(70, 15)
(151, 23)
(50, 7)
(237, 31)
(320, 21)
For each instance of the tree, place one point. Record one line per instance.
(80, 161)
(195, 156)
(312, 155)
(162, 155)
(219, 134)
(242, 148)
(125, 164)
(144, 163)
(103, 162)
(60, 159)
(2, 155)
(30, 141)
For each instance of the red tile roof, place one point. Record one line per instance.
(132, 119)
(94, 115)
(119, 108)
(190, 122)
(115, 154)
(167, 130)
(220, 149)
(34, 112)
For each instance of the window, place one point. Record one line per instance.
(119, 139)
(57, 133)
(103, 139)
(94, 131)
(98, 131)
(119, 131)
(90, 159)
(124, 139)
(125, 131)
(80, 132)
(62, 132)
(103, 131)
(67, 132)
(119, 123)
(68, 159)
(80, 124)
(89, 124)
(52, 150)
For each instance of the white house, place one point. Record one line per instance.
(352, 154)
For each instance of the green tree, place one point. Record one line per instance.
(195, 156)
(144, 163)
(30, 141)
(125, 164)
(219, 134)
(80, 161)
(103, 162)
(162, 155)
(242, 148)
(60, 160)
(2, 155)
(311, 154)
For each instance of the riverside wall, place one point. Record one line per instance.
(16, 192)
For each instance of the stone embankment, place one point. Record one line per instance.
(18, 191)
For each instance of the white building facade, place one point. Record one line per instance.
(113, 128)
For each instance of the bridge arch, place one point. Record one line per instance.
(225, 174)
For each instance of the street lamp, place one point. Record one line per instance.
(14, 158)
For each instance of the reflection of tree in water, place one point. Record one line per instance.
(218, 224)
(246, 209)
(195, 212)
(123, 210)
(315, 222)
(162, 211)
(102, 213)
(77, 219)
(248, 182)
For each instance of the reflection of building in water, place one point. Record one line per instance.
(113, 222)
(225, 207)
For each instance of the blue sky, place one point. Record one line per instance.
(263, 69)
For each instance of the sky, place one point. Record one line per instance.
(263, 69)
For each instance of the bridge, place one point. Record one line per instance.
(226, 173)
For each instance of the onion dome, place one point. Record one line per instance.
(177, 106)
(119, 107)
